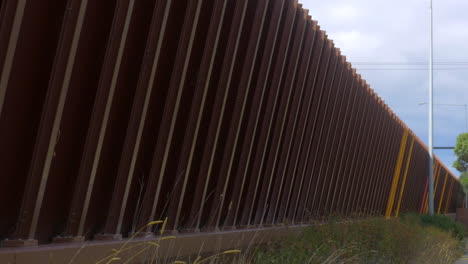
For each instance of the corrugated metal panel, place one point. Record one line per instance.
(215, 114)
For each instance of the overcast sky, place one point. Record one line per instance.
(377, 34)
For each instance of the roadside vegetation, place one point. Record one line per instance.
(461, 164)
(412, 238)
(409, 239)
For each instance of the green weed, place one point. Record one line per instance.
(373, 240)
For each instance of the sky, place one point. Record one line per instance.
(383, 39)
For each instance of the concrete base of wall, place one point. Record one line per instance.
(182, 245)
(68, 239)
(19, 243)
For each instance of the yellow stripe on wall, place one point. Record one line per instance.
(443, 191)
(449, 195)
(437, 180)
(402, 189)
(396, 175)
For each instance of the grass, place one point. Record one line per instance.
(149, 250)
(444, 223)
(410, 239)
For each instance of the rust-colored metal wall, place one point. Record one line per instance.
(216, 114)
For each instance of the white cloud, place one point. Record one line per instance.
(344, 12)
(353, 42)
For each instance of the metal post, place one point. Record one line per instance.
(431, 154)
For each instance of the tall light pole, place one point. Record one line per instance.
(466, 131)
(431, 154)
